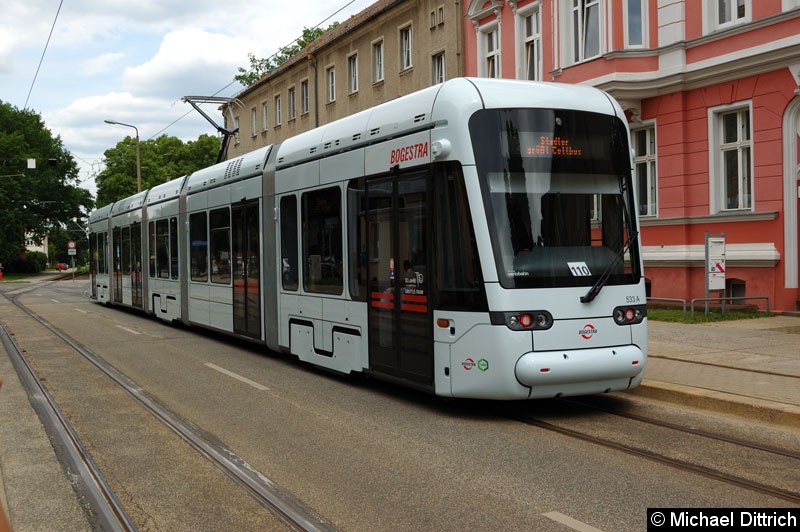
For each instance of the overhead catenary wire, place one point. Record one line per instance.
(41, 59)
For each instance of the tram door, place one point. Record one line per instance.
(246, 262)
(116, 260)
(400, 323)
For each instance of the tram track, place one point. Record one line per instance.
(104, 504)
(672, 446)
(723, 366)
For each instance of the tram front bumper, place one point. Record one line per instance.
(580, 372)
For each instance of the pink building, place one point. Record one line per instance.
(710, 88)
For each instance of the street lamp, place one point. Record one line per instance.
(138, 162)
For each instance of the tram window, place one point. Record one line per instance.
(173, 247)
(289, 269)
(459, 272)
(162, 249)
(198, 253)
(322, 241)
(93, 252)
(220, 246)
(101, 253)
(126, 251)
(357, 240)
(152, 248)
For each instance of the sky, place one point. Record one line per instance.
(132, 62)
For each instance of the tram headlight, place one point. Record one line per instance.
(630, 315)
(527, 320)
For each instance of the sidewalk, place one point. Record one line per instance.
(744, 367)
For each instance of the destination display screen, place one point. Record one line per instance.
(534, 145)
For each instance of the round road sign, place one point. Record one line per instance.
(71, 244)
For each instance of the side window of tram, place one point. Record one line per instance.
(322, 241)
(151, 249)
(289, 268)
(173, 247)
(220, 221)
(357, 239)
(198, 251)
(162, 248)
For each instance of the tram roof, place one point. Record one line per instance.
(249, 165)
(166, 191)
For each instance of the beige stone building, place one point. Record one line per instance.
(392, 48)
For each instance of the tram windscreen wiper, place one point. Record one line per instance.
(603, 279)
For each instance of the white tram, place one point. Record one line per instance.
(474, 239)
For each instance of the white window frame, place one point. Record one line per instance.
(292, 103)
(526, 42)
(644, 17)
(352, 73)
(253, 121)
(438, 68)
(304, 102)
(570, 11)
(711, 15)
(406, 35)
(717, 150)
(650, 160)
(330, 83)
(264, 116)
(236, 129)
(377, 61)
(277, 101)
(489, 33)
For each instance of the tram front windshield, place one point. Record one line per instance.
(558, 193)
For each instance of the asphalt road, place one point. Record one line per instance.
(363, 454)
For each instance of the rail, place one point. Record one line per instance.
(725, 299)
(672, 300)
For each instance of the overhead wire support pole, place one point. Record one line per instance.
(220, 100)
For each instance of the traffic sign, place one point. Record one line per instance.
(71, 244)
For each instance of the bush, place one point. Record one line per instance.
(32, 262)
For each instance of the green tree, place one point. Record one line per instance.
(162, 159)
(260, 67)
(33, 201)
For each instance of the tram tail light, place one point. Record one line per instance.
(528, 320)
(630, 315)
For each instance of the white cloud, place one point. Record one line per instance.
(102, 63)
(189, 61)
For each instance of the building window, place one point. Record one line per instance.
(377, 61)
(278, 110)
(438, 69)
(734, 165)
(264, 116)
(585, 28)
(440, 13)
(433, 19)
(253, 121)
(730, 11)
(491, 52)
(292, 104)
(635, 22)
(530, 26)
(304, 97)
(644, 168)
(330, 76)
(236, 129)
(352, 73)
(405, 48)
